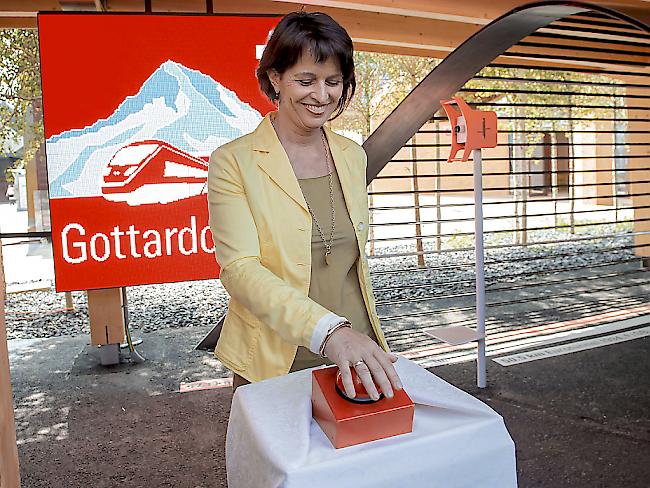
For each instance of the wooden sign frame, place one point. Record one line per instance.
(9, 468)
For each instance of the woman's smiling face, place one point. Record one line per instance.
(309, 91)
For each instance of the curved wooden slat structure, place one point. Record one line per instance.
(468, 59)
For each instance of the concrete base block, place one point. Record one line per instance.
(109, 354)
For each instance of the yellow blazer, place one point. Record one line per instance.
(262, 234)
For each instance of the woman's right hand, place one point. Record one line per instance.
(351, 349)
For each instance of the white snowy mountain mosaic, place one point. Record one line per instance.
(180, 106)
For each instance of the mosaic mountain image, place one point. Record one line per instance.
(176, 104)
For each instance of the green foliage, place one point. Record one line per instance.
(383, 80)
(20, 88)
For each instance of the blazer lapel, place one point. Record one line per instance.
(273, 160)
(342, 163)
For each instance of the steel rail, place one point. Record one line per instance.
(571, 293)
(502, 246)
(494, 324)
(491, 280)
(488, 262)
(501, 231)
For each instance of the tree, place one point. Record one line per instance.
(383, 81)
(368, 101)
(20, 90)
(405, 73)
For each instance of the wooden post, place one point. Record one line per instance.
(436, 189)
(639, 164)
(572, 173)
(416, 201)
(69, 304)
(9, 472)
(106, 313)
(605, 160)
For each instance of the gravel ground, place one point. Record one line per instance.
(41, 314)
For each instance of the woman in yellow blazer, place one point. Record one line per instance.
(262, 223)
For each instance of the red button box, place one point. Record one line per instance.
(346, 423)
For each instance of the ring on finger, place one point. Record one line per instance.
(359, 362)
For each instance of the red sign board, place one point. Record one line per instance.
(133, 106)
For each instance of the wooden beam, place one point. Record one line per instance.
(589, 43)
(73, 5)
(638, 179)
(29, 6)
(398, 48)
(465, 11)
(9, 471)
(18, 22)
(518, 59)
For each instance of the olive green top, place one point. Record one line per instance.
(335, 285)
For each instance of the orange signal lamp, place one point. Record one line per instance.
(471, 129)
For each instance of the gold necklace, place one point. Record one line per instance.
(328, 245)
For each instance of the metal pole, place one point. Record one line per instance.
(481, 369)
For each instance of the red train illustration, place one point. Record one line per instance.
(153, 172)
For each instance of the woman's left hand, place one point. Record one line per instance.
(351, 349)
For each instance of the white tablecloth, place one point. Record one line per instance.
(457, 441)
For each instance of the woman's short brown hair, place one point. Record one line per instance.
(322, 36)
